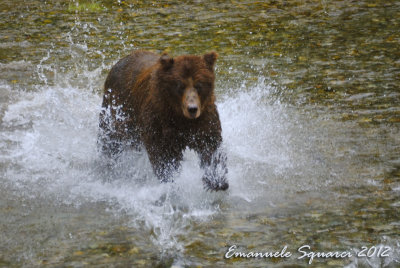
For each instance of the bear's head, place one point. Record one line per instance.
(186, 83)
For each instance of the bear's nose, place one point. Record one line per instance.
(192, 110)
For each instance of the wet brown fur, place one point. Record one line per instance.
(144, 96)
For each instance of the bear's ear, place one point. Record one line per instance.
(166, 61)
(210, 59)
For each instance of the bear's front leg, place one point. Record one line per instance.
(165, 162)
(213, 161)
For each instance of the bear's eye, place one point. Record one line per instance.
(199, 87)
(180, 86)
(202, 86)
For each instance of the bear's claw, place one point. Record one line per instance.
(212, 185)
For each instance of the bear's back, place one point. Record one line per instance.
(124, 73)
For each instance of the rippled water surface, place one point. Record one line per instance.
(309, 98)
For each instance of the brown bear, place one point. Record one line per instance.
(166, 104)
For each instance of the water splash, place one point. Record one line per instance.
(52, 135)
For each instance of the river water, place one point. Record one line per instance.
(309, 99)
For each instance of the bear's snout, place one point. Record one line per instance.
(191, 103)
(192, 109)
